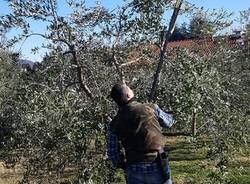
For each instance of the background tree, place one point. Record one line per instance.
(206, 23)
(244, 19)
(200, 27)
(180, 33)
(9, 83)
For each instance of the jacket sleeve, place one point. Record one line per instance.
(166, 120)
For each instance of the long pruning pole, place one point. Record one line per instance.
(163, 48)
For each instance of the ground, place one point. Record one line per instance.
(189, 165)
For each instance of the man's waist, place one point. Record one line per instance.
(135, 157)
(155, 166)
(144, 167)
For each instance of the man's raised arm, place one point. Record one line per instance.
(166, 120)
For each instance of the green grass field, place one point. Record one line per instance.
(189, 165)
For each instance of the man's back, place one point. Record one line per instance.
(137, 126)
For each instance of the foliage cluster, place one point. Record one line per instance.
(57, 117)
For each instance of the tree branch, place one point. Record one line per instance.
(49, 38)
(131, 62)
(163, 49)
(117, 42)
(83, 85)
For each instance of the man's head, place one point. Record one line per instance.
(121, 93)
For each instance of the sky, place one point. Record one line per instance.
(25, 47)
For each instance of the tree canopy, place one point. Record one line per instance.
(57, 117)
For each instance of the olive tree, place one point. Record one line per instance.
(62, 110)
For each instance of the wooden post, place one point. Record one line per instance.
(194, 131)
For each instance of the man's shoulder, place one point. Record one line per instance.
(152, 105)
(143, 104)
(144, 107)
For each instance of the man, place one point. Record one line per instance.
(137, 127)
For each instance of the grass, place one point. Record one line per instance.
(9, 176)
(189, 165)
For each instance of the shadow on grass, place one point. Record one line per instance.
(185, 150)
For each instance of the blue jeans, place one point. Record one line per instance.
(155, 177)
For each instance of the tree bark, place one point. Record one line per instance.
(83, 85)
(194, 131)
(163, 49)
(118, 69)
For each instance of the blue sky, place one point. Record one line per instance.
(25, 47)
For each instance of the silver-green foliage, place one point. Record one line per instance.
(55, 123)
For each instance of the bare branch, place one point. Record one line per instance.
(71, 84)
(163, 48)
(118, 68)
(49, 38)
(83, 85)
(131, 62)
(119, 29)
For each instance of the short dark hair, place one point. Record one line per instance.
(117, 93)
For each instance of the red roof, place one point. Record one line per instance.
(206, 46)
